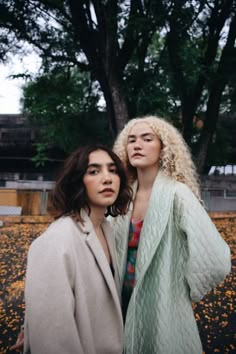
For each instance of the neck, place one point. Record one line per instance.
(146, 177)
(96, 216)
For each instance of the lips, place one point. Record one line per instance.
(107, 190)
(137, 155)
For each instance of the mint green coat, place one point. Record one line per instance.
(181, 256)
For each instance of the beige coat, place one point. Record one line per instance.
(72, 304)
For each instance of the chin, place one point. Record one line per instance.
(137, 164)
(109, 202)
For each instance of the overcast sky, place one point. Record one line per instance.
(10, 89)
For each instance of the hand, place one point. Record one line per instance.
(19, 345)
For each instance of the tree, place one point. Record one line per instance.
(64, 105)
(181, 49)
(86, 34)
(223, 149)
(201, 36)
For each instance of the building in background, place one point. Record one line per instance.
(18, 142)
(24, 188)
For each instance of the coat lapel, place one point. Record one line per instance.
(121, 231)
(108, 232)
(155, 222)
(98, 253)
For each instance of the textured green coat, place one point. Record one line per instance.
(181, 256)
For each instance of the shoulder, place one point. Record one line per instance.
(183, 192)
(185, 198)
(166, 188)
(60, 232)
(164, 184)
(186, 204)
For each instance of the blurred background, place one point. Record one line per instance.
(74, 72)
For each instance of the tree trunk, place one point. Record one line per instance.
(187, 119)
(190, 95)
(101, 48)
(115, 102)
(119, 105)
(201, 157)
(209, 128)
(217, 88)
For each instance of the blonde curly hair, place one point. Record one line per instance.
(175, 161)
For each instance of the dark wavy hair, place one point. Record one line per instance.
(69, 196)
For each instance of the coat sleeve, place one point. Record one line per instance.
(50, 305)
(208, 260)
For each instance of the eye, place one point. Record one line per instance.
(147, 137)
(130, 141)
(113, 170)
(93, 171)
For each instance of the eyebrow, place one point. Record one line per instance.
(100, 165)
(142, 135)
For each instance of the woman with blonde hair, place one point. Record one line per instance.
(168, 250)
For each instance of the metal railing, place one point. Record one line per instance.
(23, 201)
(35, 202)
(219, 199)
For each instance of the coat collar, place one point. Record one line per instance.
(154, 224)
(155, 221)
(95, 247)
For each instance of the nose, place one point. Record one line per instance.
(137, 144)
(107, 178)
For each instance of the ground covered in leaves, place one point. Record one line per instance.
(214, 314)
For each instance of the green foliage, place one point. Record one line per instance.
(41, 155)
(171, 58)
(223, 149)
(63, 104)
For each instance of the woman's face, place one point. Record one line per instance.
(143, 146)
(101, 181)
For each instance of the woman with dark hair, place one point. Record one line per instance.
(71, 292)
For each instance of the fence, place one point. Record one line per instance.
(35, 202)
(219, 199)
(23, 202)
